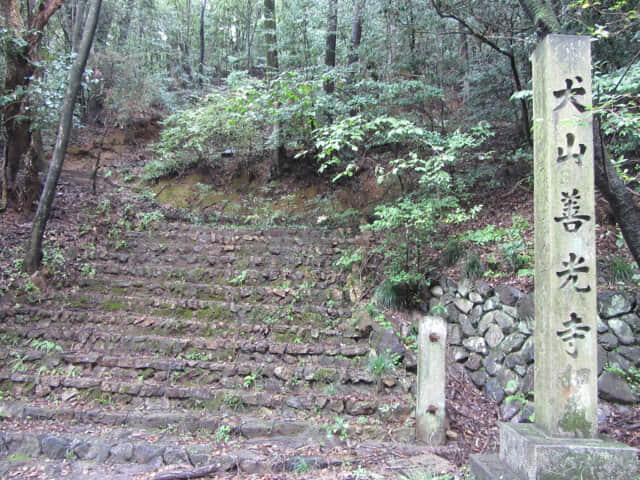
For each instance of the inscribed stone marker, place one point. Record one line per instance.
(565, 281)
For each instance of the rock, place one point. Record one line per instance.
(474, 362)
(608, 341)
(514, 359)
(437, 291)
(602, 359)
(614, 358)
(510, 408)
(513, 342)
(614, 304)
(95, 452)
(633, 320)
(622, 331)
(121, 452)
(493, 336)
(460, 354)
(476, 314)
(509, 295)
(360, 407)
(493, 362)
(487, 320)
(175, 456)
(630, 353)
(454, 334)
(615, 389)
(386, 341)
(54, 447)
(464, 287)
(602, 327)
(475, 344)
(491, 304)
(494, 390)
(526, 307)
(527, 350)
(146, 453)
(483, 288)
(505, 321)
(22, 445)
(476, 298)
(467, 327)
(479, 378)
(463, 305)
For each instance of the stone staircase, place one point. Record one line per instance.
(201, 346)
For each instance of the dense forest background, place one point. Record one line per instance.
(431, 97)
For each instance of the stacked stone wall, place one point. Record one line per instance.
(490, 332)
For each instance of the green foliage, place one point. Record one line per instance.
(383, 364)
(45, 345)
(618, 102)
(474, 267)
(453, 251)
(223, 434)
(620, 269)
(147, 220)
(349, 258)
(399, 290)
(631, 375)
(339, 428)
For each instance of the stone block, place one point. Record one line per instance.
(532, 455)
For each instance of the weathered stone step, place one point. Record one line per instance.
(228, 276)
(381, 406)
(91, 368)
(245, 426)
(228, 291)
(88, 328)
(73, 441)
(191, 308)
(207, 235)
(291, 346)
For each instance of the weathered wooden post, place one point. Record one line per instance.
(563, 443)
(430, 404)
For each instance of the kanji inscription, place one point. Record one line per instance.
(573, 268)
(573, 95)
(574, 330)
(571, 218)
(572, 151)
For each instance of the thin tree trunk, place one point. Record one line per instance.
(34, 252)
(330, 52)
(203, 9)
(624, 207)
(356, 31)
(270, 39)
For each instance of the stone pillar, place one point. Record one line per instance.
(565, 336)
(432, 378)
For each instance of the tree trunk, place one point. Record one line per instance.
(625, 209)
(270, 39)
(18, 73)
(330, 52)
(356, 31)
(271, 45)
(203, 9)
(34, 252)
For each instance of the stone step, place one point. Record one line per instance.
(207, 235)
(227, 291)
(88, 328)
(318, 316)
(245, 426)
(262, 276)
(391, 407)
(91, 367)
(112, 445)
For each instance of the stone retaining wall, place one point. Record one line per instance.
(490, 332)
